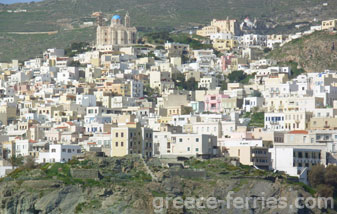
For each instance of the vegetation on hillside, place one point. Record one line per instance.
(240, 77)
(323, 179)
(77, 48)
(181, 83)
(257, 119)
(148, 15)
(312, 53)
(23, 47)
(195, 42)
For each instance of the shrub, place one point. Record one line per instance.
(316, 175)
(324, 190)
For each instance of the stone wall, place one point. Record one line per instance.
(86, 174)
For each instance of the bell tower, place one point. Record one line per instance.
(127, 19)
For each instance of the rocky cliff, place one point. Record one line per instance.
(123, 187)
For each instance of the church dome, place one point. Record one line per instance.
(116, 17)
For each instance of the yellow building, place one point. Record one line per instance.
(224, 44)
(322, 123)
(131, 139)
(329, 24)
(126, 140)
(252, 156)
(121, 89)
(220, 26)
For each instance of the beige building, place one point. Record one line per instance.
(225, 44)
(329, 24)
(117, 34)
(176, 49)
(252, 156)
(131, 139)
(220, 26)
(322, 123)
(7, 114)
(285, 104)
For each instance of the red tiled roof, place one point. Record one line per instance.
(299, 132)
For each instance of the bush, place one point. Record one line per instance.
(30, 163)
(324, 190)
(316, 175)
(257, 119)
(330, 175)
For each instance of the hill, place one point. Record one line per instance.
(122, 185)
(65, 16)
(314, 53)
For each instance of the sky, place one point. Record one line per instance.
(16, 1)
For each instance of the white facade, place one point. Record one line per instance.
(86, 100)
(59, 153)
(293, 161)
(187, 145)
(208, 82)
(250, 103)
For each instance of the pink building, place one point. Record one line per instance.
(226, 62)
(213, 103)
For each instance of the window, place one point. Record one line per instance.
(188, 149)
(122, 134)
(116, 134)
(300, 154)
(196, 139)
(197, 149)
(116, 144)
(122, 143)
(53, 150)
(69, 150)
(78, 151)
(180, 140)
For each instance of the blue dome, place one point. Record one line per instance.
(116, 17)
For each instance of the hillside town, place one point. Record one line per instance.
(120, 97)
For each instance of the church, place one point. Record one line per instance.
(118, 34)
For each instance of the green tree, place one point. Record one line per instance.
(240, 77)
(16, 161)
(324, 190)
(236, 76)
(191, 84)
(316, 175)
(256, 94)
(330, 176)
(257, 119)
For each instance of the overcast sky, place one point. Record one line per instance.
(16, 1)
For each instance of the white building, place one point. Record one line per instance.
(294, 161)
(208, 82)
(86, 100)
(187, 145)
(249, 40)
(250, 103)
(59, 153)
